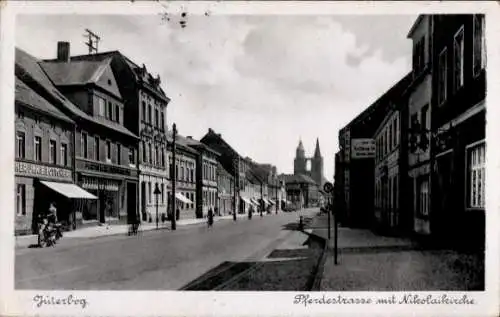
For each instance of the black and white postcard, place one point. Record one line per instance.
(230, 158)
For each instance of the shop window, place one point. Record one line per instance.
(38, 149)
(64, 154)
(458, 53)
(479, 50)
(21, 145)
(442, 76)
(21, 200)
(476, 175)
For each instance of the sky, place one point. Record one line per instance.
(262, 82)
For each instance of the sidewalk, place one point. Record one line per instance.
(118, 229)
(369, 262)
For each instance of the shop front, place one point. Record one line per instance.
(116, 189)
(38, 186)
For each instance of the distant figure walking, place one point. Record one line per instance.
(210, 217)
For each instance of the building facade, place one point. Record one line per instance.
(105, 151)
(43, 153)
(458, 129)
(185, 175)
(225, 185)
(419, 119)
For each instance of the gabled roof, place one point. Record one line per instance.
(181, 143)
(198, 145)
(29, 98)
(147, 81)
(211, 134)
(30, 72)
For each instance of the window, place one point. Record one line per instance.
(423, 117)
(419, 55)
(144, 158)
(389, 137)
(476, 160)
(64, 154)
(192, 176)
(84, 145)
(479, 50)
(157, 155)
(97, 152)
(423, 197)
(108, 151)
(162, 158)
(118, 154)
(162, 121)
(442, 77)
(396, 123)
(102, 106)
(38, 148)
(176, 172)
(117, 113)
(157, 118)
(21, 145)
(144, 111)
(458, 53)
(150, 121)
(110, 111)
(150, 193)
(21, 200)
(52, 152)
(131, 156)
(182, 173)
(150, 153)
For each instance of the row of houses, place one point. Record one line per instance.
(91, 137)
(414, 161)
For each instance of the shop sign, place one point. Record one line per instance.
(363, 148)
(35, 170)
(104, 168)
(100, 184)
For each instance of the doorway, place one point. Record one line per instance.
(442, 196)
(143, 201)
(131, 202)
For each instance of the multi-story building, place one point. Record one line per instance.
(357, 151)
(105, 151)
(44, 149)
(389, 172)
(458, 129)
(225, 185)
(185, 175)
(419, 119)
(146, 109)
(206, 178)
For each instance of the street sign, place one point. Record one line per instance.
(328, 187)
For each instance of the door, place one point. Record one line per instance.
(143, 200)
(131, 202)
(442, 196)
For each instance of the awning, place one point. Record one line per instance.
(69, 190)
(272, 202)
(246, 200)
(254, 201)
(183, 198)
(268, 201)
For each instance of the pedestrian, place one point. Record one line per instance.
(210, 217)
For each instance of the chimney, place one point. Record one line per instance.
(63, 52)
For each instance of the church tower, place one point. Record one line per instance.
(299, 164)
(317, 165)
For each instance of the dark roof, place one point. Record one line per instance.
(297, 179)
(30, 71)
(198, 145)
(211, 134)
(181, 142)
(29, 98)
(223, 170)
(147, 81)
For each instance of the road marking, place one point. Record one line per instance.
(40, 277)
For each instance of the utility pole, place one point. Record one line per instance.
(174, 177)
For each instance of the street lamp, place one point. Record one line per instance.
(156, 193)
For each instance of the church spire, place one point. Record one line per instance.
(317, 152)
(300, 148)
